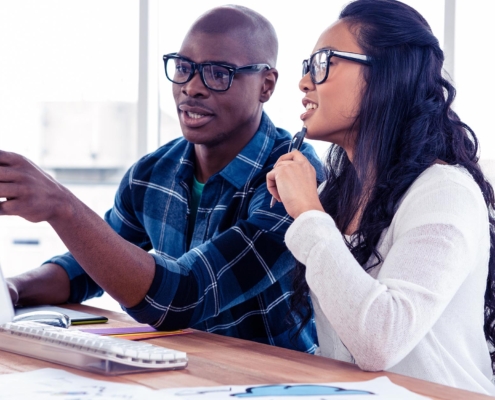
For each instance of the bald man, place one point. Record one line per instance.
(200, 202)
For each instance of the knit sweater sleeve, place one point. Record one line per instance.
(438, 233)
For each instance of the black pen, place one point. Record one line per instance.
(295, 144)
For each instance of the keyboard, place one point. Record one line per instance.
(87, 351)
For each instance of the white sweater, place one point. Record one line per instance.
(420, 312)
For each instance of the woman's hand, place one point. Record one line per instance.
(293, 182)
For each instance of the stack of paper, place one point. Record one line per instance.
(134, 332)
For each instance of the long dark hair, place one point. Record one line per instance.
(405, 124)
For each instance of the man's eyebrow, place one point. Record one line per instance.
(210, 61)
(221, 62)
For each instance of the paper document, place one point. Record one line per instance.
(135, 333)
(377, 389)
(51, 383)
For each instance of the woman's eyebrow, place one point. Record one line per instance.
(328, 48)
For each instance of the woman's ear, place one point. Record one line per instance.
(269, 81)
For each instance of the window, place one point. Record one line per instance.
(69, 79)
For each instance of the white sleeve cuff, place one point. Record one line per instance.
(307, 230)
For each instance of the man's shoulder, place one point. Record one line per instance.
(171, 150)
(166, 158)
(171, 153)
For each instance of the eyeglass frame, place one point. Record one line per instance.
(359, 58)
(199, 67)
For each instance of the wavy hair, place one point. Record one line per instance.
(405, 123)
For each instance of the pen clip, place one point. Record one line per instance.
(297, 140)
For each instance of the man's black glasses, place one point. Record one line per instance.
(215, 76)
(318, 64)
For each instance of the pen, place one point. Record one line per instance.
(295, 144)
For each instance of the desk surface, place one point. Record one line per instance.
(216, 360)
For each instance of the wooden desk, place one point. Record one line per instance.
(216, 360)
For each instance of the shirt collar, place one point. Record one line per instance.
(246, 165)
(251, 160)
(186, 169)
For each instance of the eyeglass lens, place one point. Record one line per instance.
(318, 67)
(214, 76)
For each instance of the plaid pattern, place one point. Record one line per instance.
(235, 280)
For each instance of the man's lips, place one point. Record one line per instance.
(195, 109)
(193, 115)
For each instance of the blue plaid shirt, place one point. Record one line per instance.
(236, 278)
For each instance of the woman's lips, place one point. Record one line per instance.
(310, 109)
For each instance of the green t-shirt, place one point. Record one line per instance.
(197, 191)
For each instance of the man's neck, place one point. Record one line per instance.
(210, 159)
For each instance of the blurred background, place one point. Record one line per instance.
(83, 93)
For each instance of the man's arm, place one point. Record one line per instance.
(122, 269)
(48, 284)
(233, 267)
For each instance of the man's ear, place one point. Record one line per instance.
(269, 81)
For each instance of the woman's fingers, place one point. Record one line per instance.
(271, 185)
(293, 182)
(294, 155)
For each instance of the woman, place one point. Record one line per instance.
(396, 247)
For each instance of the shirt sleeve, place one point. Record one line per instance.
(234, 266)
(437, 235)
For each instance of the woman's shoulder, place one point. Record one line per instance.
(447, 175)
(445, 179)
(442, 193)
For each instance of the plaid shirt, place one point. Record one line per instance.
(235, 280)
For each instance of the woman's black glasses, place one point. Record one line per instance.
(215, 76)
(318, 64)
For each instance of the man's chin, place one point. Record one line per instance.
(202, 138)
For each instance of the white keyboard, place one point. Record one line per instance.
(87, 351)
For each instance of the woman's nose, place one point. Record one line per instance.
(306, 84)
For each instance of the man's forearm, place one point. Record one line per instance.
(119, 267)
(123, 270)
(48, 284)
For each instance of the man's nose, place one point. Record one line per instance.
(195, 87)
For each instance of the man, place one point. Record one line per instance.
(219, 262)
